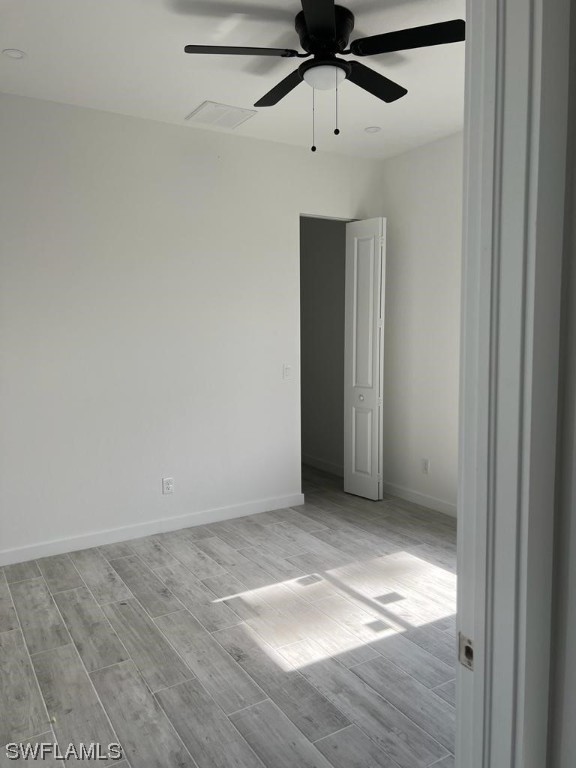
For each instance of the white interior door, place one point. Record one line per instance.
(364, 357)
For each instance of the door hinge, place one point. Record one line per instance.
(380, 401)
(380, 323)
(465, 651)
(382, 241)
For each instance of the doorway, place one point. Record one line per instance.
(342, 339)
(322, 310)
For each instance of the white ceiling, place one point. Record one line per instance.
(127, 56)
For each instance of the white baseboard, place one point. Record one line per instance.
(325, 466)
(124, 533)
(439, 505)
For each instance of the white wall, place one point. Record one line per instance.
(148, 299)
(421, 196)
(322, 282)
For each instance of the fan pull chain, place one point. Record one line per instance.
(313, 120)
(337, 130)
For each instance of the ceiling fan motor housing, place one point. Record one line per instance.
(323, 45)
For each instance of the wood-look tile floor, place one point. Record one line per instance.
(311, 637)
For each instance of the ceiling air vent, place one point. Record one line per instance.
(220, 115)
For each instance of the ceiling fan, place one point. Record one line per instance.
(324, 29)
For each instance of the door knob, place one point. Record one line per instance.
(361, 398)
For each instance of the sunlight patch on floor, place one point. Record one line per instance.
(339, 612)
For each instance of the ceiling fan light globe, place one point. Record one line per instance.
(324, 77)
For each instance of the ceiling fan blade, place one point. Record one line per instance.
(374, 83)
(417, 37)
(320, 17)
(241, 51)
(279, 91)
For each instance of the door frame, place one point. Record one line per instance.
(515, 150)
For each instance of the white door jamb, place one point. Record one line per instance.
(515, 148)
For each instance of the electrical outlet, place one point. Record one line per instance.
(426, 466)
(167, 485)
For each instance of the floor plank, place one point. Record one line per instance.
(195, 533)
(59, 573)
(275, 739)
(247, 572)
(447, 624)
(351, 748)
(152, 553)
(76, 712)
(293, 516)
(436, 642)
(315, 562)
(274, 626)
(222, 677)
(357, 618)
(448, 762)
(114, 551)
(309, 541)
(296, 620)
(278, 567)
(417, 662)
(157, 662)
(197, 598)
(187, 553)
(96, 641)
(8, 618)
(147, 736)
(230, 535)
(209, 736)
(22, 711)
(355, 544)
(420, 704)
(21, 571)
(41, 623)
(260, 535)
(154, 596)
(320, 515)
(447, 691)
(396, 734)
(313, 714)
(313, 587)
(99, 576)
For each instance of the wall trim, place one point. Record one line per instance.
(126, 532)
(423, 499)
(325, 466)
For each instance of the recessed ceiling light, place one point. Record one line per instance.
(13, 53)
(373, 129)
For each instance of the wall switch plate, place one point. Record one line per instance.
(426, 466)
(167, 485)
(286, 371)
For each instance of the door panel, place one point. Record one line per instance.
(363, 357)
(362, 441)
